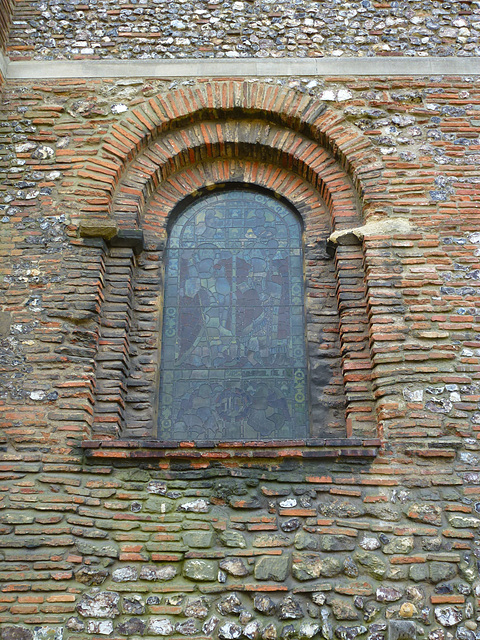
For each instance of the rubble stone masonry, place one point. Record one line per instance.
(368, 529)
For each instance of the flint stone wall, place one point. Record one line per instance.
(250, 547)
(51, 29)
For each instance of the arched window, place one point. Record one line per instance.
(233, 356)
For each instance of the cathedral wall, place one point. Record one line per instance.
(374, 537)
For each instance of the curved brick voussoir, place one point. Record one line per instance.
(255, 140)
(234, 100)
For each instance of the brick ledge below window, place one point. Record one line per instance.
(308, 449)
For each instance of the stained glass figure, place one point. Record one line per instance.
(233, 363)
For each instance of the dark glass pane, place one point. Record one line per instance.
(233, 348)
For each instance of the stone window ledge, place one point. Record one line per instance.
(332, 448)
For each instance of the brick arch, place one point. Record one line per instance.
(204, 101)
(256, 140)
(345, 284)
(281, 140)
(195, 179)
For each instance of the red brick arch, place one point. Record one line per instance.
(308, 127)
(256, 141)
(216, 133)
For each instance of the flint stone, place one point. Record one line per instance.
(291, 525)
(399, 546)
(350, 633)
(155, 486)
(160, 626)
(327, 629)
(272, 568)
(125, 574)
(350, 569)
(465, 634)
(43, 153)
(234, 566)
(252, 630)
(153, 600)
(310, 566)
(165, 572)
(343, 610)
(196, 609)
(369, 613)
(308, 630)
(264, 604)
(133, 626)
(101, 605)
(319, 598)
(187, 628)
(230, 604)
(196, 506)
(48, 633)
(229, 631)
(370, 544)
(289, 609)
(448, 616)
(201, 570)
(210, 625)
(16, 633)
(428, 513)
(74, 624)
(441, 571)
(133, 604)
(102, 627)
(198, 539)
(387, 594)
(245, 616)
(288, 632)
(233, 539)
(269, 632)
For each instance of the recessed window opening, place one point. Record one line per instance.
(233, 354)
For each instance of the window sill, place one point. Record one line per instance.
(330, 448)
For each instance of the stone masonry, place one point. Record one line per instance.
(367, 529)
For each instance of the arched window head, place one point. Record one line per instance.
(233, 357)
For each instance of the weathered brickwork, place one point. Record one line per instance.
(61, 29)
(6, 11)
(370, 528)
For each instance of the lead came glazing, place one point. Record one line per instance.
(233, 348)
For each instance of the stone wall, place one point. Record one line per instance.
(373, 536)
(6, 10)
(51, 29)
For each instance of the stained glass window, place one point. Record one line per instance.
(233, 358)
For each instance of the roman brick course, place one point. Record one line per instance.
(108, 532)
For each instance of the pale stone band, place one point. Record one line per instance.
(240, 67)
